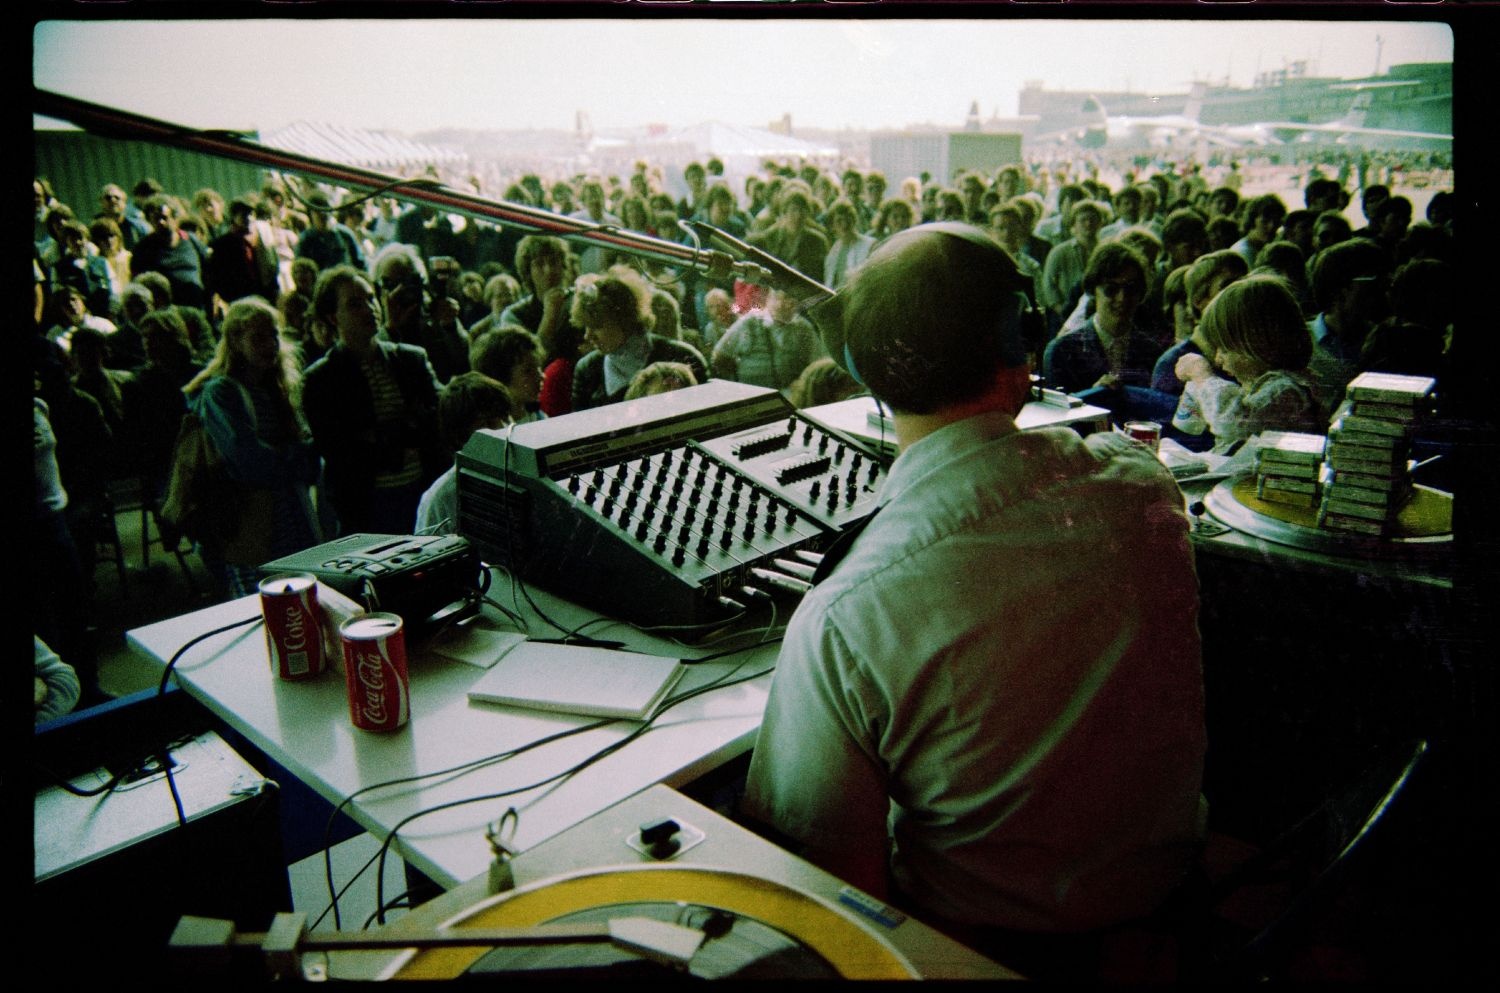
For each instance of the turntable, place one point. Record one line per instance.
(657, 886)
(766, 913)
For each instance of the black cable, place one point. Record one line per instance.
(164, 754)
(459, 769)
(645, 726)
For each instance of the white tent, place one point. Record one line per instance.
(356, 146)
(742, 149)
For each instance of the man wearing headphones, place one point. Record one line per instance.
(990, 711)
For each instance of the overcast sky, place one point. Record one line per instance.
(414, 75)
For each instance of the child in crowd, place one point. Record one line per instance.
(1255, 333)
(470, 401)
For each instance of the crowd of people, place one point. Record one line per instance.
(339, 348)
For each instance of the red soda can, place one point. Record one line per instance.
(294, 640)
(375, 671)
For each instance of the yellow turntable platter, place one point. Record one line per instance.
(846, 944)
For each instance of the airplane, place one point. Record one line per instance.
(1347, 130)
(1186, 128)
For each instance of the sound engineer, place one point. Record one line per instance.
(990, 711)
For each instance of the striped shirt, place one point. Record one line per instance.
(390, 407)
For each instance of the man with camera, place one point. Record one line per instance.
(420, 309)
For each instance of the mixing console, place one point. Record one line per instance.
(674, 509)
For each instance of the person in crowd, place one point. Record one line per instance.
(718, 306)
(614, 309)
(562, 198)
(69, 312)
(1297, 228)
(1256, 334)
(326, 241)
(49, 249)
(1110, 350)
(89, 354)
(1127, 204)
(500, 291)
(793, 239)
(1203, 281)
(1349, 282)
(1063, 275)
(1223, 202)
(1391, 221)
(105, 236)
(594, 258)
(240, 262)
(83, 270)
(372, 407)
(1414, 340)
(696, 178)
(1263, 217)
(1329, 229)
(304, 273)
(208, 207)
(894, 215)
(1055, 227)
(59, 592)
(920, 754)
(55, 688)
(247, 398)
(471, 401)
(1285, 259)
(154, 402)
(875, 187)
(823, 381)
(44, 199)
(113, 204)
(1324, 194)
(1184, 237)
(126, 349)
(770, 347)
(1370, 200)
(1223, 233)
(512, 358)
(177, 256)
(660, 377)
(850, 248)
(415, 318)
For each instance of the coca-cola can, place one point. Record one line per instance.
(294, 638)
(375, 671)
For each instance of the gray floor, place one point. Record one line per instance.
(148, 585)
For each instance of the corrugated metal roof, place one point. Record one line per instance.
(356, 146)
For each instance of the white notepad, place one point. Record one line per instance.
(573, 679)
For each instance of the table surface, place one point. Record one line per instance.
(1421, 565)
(305, 726)
(852, 417)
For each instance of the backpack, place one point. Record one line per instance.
(201, 502)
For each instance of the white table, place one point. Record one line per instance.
(305, 726)
(852, 417)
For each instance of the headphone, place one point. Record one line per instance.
(1016, 321)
